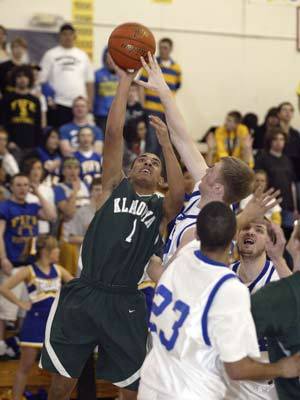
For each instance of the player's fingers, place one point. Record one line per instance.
(258, 192)
(145, 65)
(151, 62)
(142, 83)
(157, 120)
(270, 197)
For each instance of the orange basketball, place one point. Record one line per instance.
(128, 42)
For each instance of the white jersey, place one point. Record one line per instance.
(185, 220)
(199, 306)
(249, 390)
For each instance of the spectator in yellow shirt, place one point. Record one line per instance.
(233, 139)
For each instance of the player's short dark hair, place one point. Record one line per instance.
(20, 70)
(236, 115)
(18, 175)
(216, 226)
(167, 40)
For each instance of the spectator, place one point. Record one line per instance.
(77, 227)
(250, 120)
(18, 233)
(149, 99)
(281, 175)
(43, 281)
(69, 72)
(292, 148)
(261, 180)
(77, 190)
(37, 91)
(134, 145)
(7, 160)
(22, 114)
(90, 162)
(134, 109)
(106, 81)
(55, 195)
(3, 53)
(48, 152)
(260, 133)
(18, 50)
(69, 132)
(233, 139)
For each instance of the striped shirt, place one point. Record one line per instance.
(172, 75)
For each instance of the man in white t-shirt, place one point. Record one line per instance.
(201, 322)
(69, 72)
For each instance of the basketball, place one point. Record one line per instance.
(128, 42)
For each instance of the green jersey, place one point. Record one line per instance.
(122, 236)
(276, 313)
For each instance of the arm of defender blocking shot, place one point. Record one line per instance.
(113, 143)
(180, 137)
(173, 201)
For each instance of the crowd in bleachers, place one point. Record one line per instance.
(53, 119)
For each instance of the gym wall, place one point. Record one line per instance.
(235, 54)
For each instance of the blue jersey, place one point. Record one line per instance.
(70, 132)
(45, 156)
(90, 166)
(21, 230)
(106, 83)
(42, 290)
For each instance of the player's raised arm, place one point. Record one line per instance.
(113, 143)
(180, 137)
(173, 201)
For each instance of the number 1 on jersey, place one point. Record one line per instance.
(129, 237)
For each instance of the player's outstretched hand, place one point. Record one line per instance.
(261, 203)
(290, 366)
(122, 74)
(156, 79)
(161, 130)
(275, 249)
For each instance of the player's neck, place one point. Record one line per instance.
(251, 267)
(142, 190)
(205, 199)
(219, 256)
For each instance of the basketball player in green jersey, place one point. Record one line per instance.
(103, 307)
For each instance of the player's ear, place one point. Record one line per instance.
(219, 189)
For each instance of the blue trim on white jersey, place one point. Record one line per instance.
(204, 319)
(260, 276)
(235, 266)
(270, 275)
(208, 260)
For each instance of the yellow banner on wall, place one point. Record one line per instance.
(83, 18)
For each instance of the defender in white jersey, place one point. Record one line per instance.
(229, 180)
(199, 306)
(256, 271)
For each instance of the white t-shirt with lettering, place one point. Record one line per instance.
(67, 71)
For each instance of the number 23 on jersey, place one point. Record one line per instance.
(162, 300)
